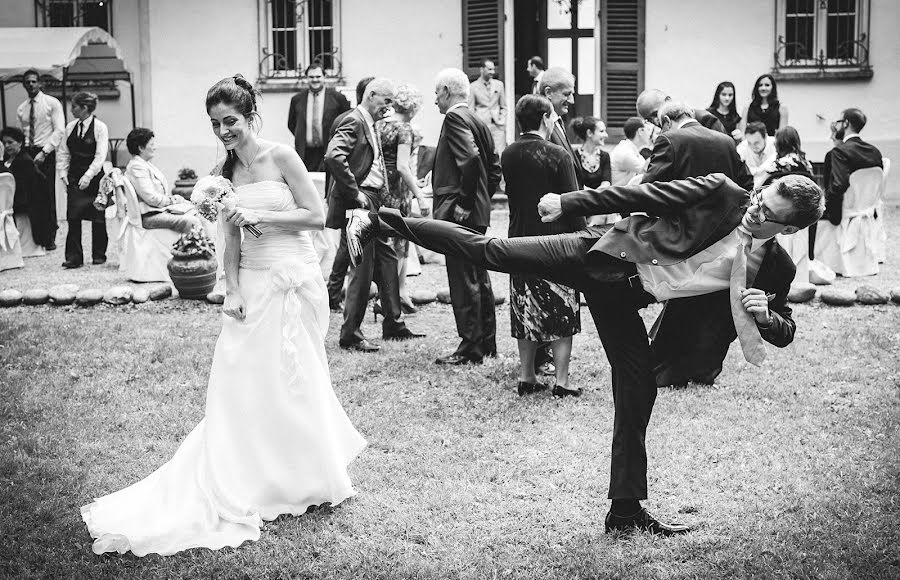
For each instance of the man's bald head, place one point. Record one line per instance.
(649, 103)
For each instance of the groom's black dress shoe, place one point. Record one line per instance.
(404, 334)
(456, 359)
(643, 521)
(564, 392)
(360, 231)
(362, 346)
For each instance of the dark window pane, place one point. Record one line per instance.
(841, 36)
(95, 14)
(284, 44)
(61, 14)
(283, 15)
(799, 35)
(320, 12)
(841, 6)
(800, 6)
(320, 47)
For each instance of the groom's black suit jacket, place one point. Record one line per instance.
(686, 217)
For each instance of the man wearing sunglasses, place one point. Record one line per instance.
(696, 237)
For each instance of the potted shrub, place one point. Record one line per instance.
(187, 178)
(193, 264)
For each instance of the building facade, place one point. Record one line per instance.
(826, 55)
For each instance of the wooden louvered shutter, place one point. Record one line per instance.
(482, 34)
(622, 69)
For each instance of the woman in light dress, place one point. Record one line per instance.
(275, 440)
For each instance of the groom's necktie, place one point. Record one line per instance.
(748, 334)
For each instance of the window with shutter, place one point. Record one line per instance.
(482, 34)
(622, 67)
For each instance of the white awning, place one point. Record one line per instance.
(87, 53)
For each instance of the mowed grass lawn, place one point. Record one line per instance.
(789, 471)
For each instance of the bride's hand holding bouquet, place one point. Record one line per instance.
(213, 193)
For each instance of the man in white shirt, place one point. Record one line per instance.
(697, 236)
(487, 100)
(42, 120)
(758, 151)
(625, 159)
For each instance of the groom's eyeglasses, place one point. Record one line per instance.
(763, 214)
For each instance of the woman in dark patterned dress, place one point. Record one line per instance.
(540, 311)
(400, 146)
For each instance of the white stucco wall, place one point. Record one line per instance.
(691, 47)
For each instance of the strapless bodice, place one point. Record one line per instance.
(278, 242)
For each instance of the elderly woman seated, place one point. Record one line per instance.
(159, 209)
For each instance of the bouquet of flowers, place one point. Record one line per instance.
(213, 193)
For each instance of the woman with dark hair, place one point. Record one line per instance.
(765, 107)
(79, 163)
(790, 159)
(724, 107)
(594, 160)
(29, 184)
(540, 311)
(275, 439)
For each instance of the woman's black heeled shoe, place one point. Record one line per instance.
(376, 310)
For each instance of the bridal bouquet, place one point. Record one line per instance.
(213, 193)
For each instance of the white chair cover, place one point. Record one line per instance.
(10, 246)
(849, 248)
(29, 248)
(880, 232)
(143, 254)
(797, 247)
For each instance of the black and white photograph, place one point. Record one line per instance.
(475, 289)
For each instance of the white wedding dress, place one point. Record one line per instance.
(275, 440)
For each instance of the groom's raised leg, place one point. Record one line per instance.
(560, 258)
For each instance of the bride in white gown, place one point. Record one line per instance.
(275, 439)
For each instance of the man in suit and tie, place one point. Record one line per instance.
(465, 175)
(313, 111)
(356, 164)
(850, 154)
(694, 237)
(558, 85)
(487, 100)
(535, 68)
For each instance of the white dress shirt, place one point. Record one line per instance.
(626, 161)
(757, 163)
(49, 122)
(101, 136)
(375, 177)
(705, 272)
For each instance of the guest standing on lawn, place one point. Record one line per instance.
(80, 166)
(540, 311)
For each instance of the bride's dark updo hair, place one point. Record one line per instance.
(236, 92)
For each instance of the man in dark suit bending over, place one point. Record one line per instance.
(699, 236)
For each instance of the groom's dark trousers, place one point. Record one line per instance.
(613, 300)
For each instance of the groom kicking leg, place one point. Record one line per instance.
(699, 236)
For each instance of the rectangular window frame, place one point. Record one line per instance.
(277, 69)
(795, 61)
